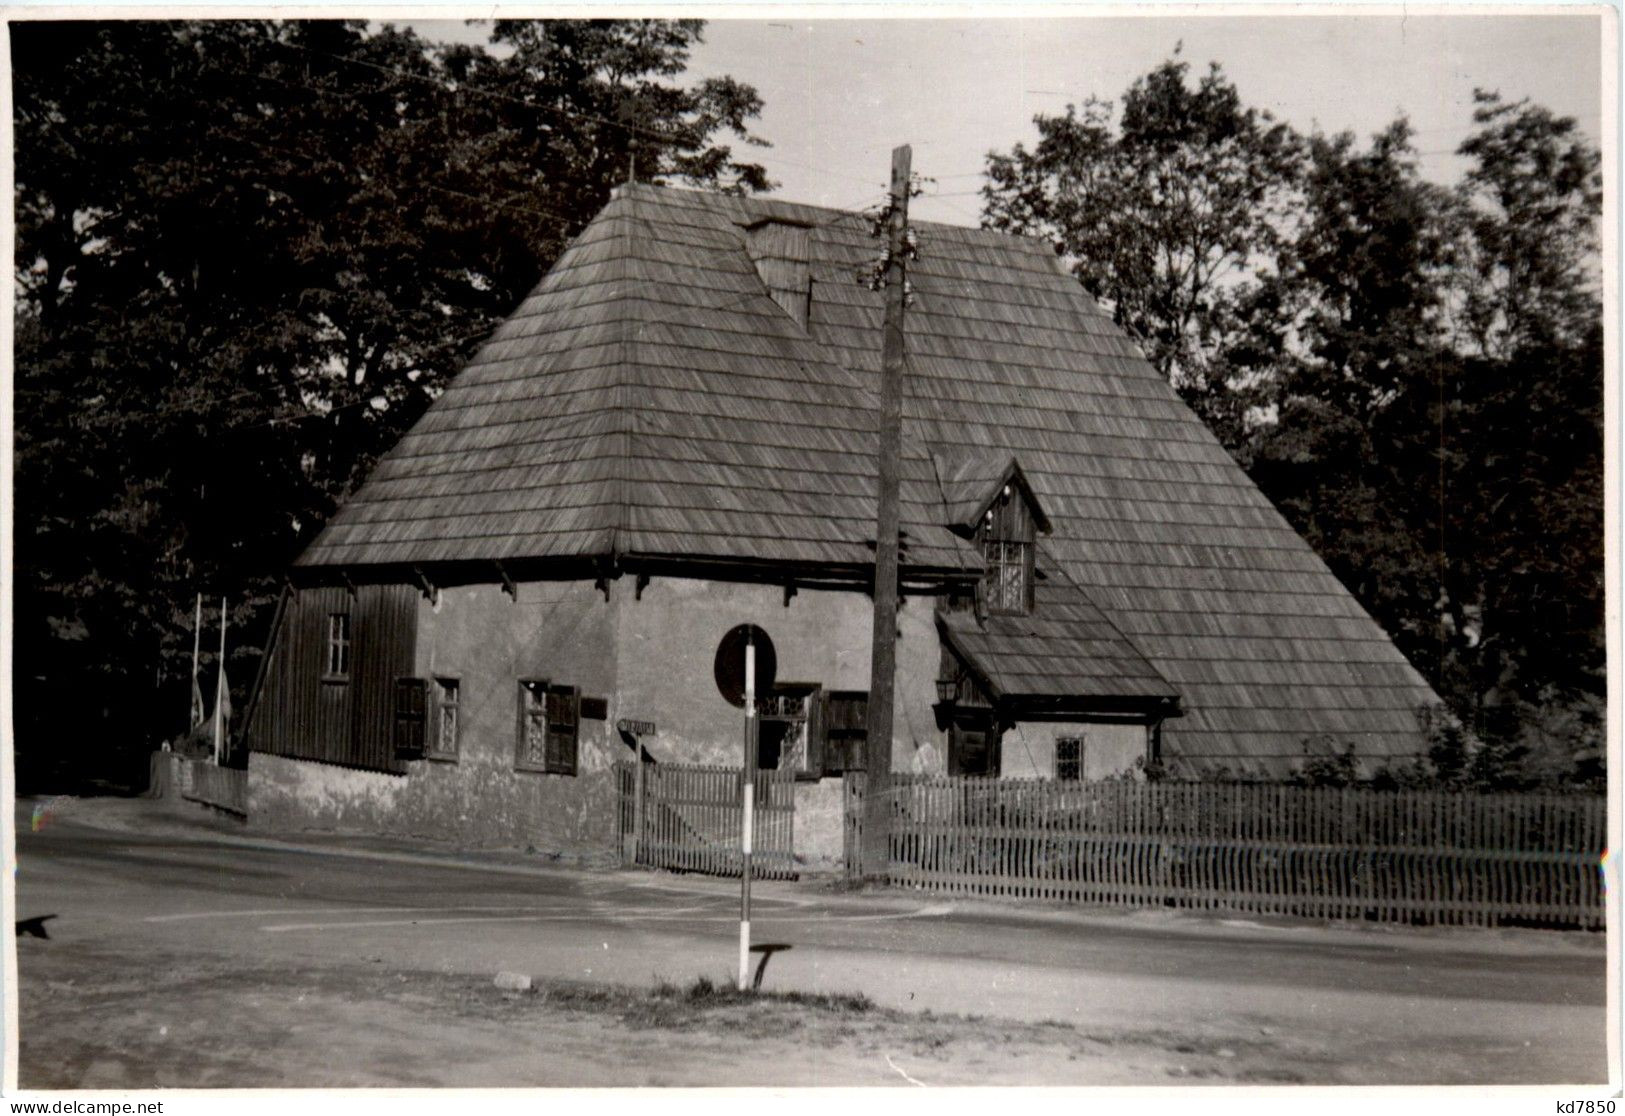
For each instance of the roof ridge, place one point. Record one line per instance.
(622, 390)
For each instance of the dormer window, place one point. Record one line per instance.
(988, 500)
(1007, 546)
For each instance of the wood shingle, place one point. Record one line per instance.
(652, 398)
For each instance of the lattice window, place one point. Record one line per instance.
(448, 715)
(1009, 570)
(1068, 759)
(549, 726)
(338, 647)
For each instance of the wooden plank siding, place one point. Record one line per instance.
(1386, 856)
(302, 712)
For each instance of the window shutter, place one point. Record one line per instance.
(846, 729)
(563, 724)
(411, 699)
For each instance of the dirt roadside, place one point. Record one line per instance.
(99, 1018)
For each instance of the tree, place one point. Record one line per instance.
(1351, 456)
(248, 255)
(1412, 373)
(1527, 504)
(1164, 216)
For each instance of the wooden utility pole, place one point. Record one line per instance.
(874, 852)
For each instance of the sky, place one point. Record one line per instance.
(841, 93)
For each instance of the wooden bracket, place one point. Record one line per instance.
(508, 586)
(348, 584)
(601, 583)
(429, 591)
(638, 586)
(789, 591)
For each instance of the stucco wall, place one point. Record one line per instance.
(488, 641)
(1029, 748)
(668, 642)
(652, 659)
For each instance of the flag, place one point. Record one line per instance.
(199, 714)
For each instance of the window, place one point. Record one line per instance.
(443, 741)
(1068, 759)
(1008, 564)
(338, 647)
(973, 749)
(1007, 547)
(787, 728)
(549, 724)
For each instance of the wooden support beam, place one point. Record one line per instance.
(430, 593)
(601, 583)
(348, 584)
(639, 585)
(789, 591)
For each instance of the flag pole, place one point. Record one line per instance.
(219, 689)
(194, 715)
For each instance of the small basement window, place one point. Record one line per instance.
(549, 726)
(1068, 759)
(337, 667)
(447, 718)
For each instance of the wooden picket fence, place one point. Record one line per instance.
(692, 816)
(225, 788)
(1391, 856)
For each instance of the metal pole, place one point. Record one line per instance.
(875, 850)
(194, 716)
(749, 811)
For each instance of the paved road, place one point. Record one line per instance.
(1363, 1004)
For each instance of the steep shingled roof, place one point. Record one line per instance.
(1067, 648)
(650, 397)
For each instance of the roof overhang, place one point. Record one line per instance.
(1139, 709)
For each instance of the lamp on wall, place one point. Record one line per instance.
(947, 699)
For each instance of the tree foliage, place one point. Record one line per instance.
(1162, 213)
(248, 255)
(1412, 372)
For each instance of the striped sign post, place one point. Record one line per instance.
(749, 791)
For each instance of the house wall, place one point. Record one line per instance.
(1029, 748)
(301, 712)
(652, 658)
(668, 642)
(561, 631)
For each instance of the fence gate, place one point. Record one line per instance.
(691, 818)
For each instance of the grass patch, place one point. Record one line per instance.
(705, 992)
(705, 1003)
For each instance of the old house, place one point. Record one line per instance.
(675, 434)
